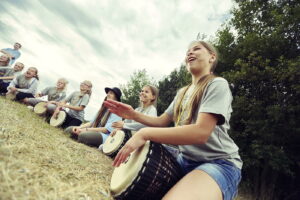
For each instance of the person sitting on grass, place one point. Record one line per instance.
(201, 112)
(54, 94)
(96, 132)
(148, 100)
(9, 75)
(76, 103)
(24, 85)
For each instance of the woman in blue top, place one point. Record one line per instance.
(201, 112)
(97, 131)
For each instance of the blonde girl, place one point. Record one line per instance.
(201, 112)
(54, 94)
(76, 103)
(148, 100)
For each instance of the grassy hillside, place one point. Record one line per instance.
(38, 161)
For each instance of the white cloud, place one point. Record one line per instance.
(105, 41)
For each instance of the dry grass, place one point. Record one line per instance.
(38, 161)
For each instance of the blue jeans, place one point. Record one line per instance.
(223, 172)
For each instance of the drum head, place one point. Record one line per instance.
(11, 96)
(40, 108)
(113, 143)
(124, 175)
(60, 119)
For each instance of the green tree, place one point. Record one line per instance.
(132, 89)
(259, 51)
(169, 86)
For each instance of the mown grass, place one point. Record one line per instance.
(41, 162)
(38, 161)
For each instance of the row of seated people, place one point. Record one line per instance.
(208, 157)
(93, 133)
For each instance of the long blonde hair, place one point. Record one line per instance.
(65, 83)
(193, 102)
(154, 92)
(90, 85)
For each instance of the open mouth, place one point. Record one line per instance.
(190, 59)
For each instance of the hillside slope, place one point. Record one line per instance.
(38, 161)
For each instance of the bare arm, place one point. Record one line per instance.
(197, 133)
(77, 108)
(7, 78)
(6, 53)
(127, 112)
(99, 129)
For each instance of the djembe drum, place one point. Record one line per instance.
(61, 117)
(113, 144)
(40, 108)
(149, 173)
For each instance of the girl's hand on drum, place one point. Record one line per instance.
(118, 124)
(121, 109)
(132, 144)
(52, 102)
(61, 104)
(114, 132)
(56, 112)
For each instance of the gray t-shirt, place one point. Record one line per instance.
(216, 99)
(11, 72)
(54, 94)
(77, 99)
(135, 126)
(24, 85)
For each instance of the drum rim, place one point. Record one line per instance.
(57, 124)
(117, 147)
(38, 105)
(138, 174)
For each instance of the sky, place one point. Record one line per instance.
(106, 41)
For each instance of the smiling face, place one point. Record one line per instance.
(18, 67)
(60, 84)
(4, 58)
(84, 86)
(31, 72)
(199, 59)
(17, 46)
(146, 95)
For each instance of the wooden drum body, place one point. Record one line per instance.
(113, 144)
(149, 173)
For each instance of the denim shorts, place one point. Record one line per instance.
(226, 174)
